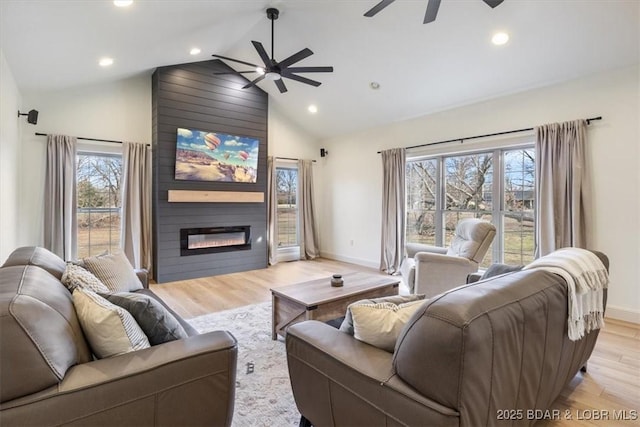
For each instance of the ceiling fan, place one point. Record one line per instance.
(432, 8)
(274, 70)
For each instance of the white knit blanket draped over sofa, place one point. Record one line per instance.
(586, 278)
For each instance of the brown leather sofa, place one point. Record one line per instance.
(484, 354)
(49, 377)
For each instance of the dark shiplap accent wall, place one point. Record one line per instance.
(191, 96)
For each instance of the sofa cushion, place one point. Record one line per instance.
(155, 321)
(115, 271)
(380, 324)
(347, 323)
(41, 336)
(75, 276)
(499, 269)
(110, 329)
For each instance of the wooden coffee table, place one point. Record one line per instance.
(318, 300)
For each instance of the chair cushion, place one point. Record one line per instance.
(155, 321)
(472, 239)
(110, 329)
(380, 324)
(75, 276)
(115, 271)
(347, 323)
(38, 256)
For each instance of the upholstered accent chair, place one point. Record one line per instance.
(431, 270)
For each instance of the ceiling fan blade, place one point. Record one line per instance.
(235, 72)
(432, 11)
(377, 8)
(300, 79)
(253, 83)
(235, 60)
(263, 53)
(310, 69)
(296, 57)
(281, 87)
(493, 3)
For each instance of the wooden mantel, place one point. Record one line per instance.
(191, 196)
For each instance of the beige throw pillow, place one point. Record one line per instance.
(75, 276)
(110, 329)
(380, 324)
(347, 323)
(115, 271)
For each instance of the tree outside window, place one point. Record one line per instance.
(287, 212)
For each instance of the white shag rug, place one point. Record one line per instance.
(263, 397)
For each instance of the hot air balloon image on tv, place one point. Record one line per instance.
(214, 156)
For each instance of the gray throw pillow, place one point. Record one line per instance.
(347, 323)
(498, 269)
(155, 321)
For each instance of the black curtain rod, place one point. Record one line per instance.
(290, 158)
(89, 139)
(461, 140)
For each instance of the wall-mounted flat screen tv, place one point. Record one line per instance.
(215, 156)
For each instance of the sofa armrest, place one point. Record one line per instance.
(338, 380)
(143, 276)
(183, 382)
(412, 249)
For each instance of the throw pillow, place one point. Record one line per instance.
(498, 269)
(155, 321)
(380, 324)
(115, 271)
(75, 276)
(347, 323)
(110, 329)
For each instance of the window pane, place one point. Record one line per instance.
(468, 182)
(98, 193)
(287, 190)
(421, 201)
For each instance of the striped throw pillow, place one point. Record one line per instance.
(110, 329)
(115, 271)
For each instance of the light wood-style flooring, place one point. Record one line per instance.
(610, 390)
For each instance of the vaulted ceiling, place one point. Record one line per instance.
(53, 45)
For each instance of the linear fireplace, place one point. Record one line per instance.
(196, 241)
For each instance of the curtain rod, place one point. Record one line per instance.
(290, 158)
(592, 119)
(90, 139)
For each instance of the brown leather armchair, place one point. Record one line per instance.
(49, 376)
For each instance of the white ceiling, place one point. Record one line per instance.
(53, 45)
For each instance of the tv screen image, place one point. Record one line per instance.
(215, 156)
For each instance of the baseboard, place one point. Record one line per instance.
(358, 261)
(623, 314)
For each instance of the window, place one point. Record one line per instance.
(495, 185)
(98, 178)
(287, 199)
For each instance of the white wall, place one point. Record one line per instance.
(352, 176)
(10, 103)
(117, 111)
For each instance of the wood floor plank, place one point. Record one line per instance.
(610, 387)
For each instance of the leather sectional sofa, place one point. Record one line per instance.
(49, 376)
(487, 353)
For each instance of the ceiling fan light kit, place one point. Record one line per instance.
(274, 70)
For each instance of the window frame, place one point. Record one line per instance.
(497, 150)
(292, 251)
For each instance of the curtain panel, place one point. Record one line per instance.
(563, 204)
(272, 212)
(60, 203)
(135, 233)
(393, 209)
(308, 229)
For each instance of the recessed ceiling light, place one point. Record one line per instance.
(500, 38)
(105, 62)
(312, 109)
(195, 51)
(374, 85)
(123, 3)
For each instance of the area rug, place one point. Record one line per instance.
(263, 390)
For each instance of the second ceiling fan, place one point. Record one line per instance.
(274, 70)
(430, 14)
